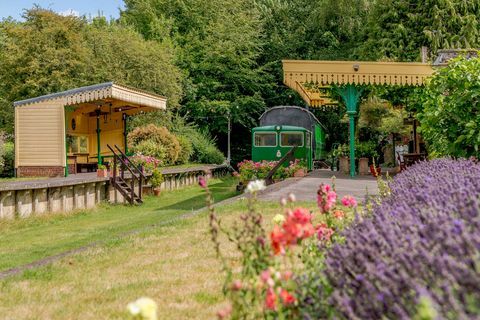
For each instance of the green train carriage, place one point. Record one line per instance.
(283, 127)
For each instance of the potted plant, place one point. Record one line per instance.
(156, 180)
(342, 154)
(102, 171)
(365, 151)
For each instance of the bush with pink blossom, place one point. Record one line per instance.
(266, 284)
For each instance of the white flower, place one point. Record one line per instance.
(291, 197)
(255, 186)
(146, 308)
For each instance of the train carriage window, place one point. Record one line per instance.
(265, 139)
(290, 139)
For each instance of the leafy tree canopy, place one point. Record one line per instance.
(451, 110)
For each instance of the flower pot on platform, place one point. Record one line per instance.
(300, 173)
(363, 166)
(102, 173)
(344, 165)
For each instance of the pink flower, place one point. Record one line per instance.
(324, 233)
(236, 285)
(265, 275)
(202, 182)
(349, 201)
(225, 312)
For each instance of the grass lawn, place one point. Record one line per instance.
(25, 241)
(174, 264)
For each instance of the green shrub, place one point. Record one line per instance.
(203, 147)
(2, 153)
(156, 179)
(155, 141)
(152, 149)
(205, 150)
(450, 119)
(186, 151)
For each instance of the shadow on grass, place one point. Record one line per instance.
(221, 190)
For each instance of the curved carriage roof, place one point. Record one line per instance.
(282, 115)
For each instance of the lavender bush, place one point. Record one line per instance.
(422, 242)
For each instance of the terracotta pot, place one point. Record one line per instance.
(344, 166)
(156, 191)
(300, 173)
(102, 173)
(363, 166)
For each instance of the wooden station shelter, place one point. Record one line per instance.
(313, 79)
(68, 132)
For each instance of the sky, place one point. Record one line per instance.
(109, 8)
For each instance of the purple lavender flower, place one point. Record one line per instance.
(423, 240)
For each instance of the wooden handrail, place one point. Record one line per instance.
(122, 162)
(136, 168)
(287, 156)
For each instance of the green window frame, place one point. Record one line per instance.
(288, 142)
(260, 141)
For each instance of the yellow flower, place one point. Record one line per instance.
(279, 219)
(143, 308)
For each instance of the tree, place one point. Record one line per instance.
(49, 53)
(397, 29)
(450, 120)
(218, 44)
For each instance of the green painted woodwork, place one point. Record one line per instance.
(275, 151)
(351, 96)
(99, 156)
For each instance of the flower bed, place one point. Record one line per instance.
(418, 253)
(250, 170)
(261, 279)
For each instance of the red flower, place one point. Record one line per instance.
(287, 298)
(271, 299)
(278, 240)
(302, 215)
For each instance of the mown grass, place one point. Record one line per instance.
(174, 264)
(25, 241)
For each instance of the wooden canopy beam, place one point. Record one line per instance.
(306, 76)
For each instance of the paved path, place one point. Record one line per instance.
(305, 189)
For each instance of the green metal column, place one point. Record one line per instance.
(351, 96)
(124, 118)
(99, 157)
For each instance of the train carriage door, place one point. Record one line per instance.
(308, 149)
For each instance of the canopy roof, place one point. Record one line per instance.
(309, 78)
(108, 90)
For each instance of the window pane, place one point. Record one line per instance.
(265, 139)
(83, 144)
(74, 144)
(291, 139)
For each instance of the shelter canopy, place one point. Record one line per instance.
(310, 78)
(103, 91)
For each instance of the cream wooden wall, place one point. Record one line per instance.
(40, 134)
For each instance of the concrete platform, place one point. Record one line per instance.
(305, 189)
